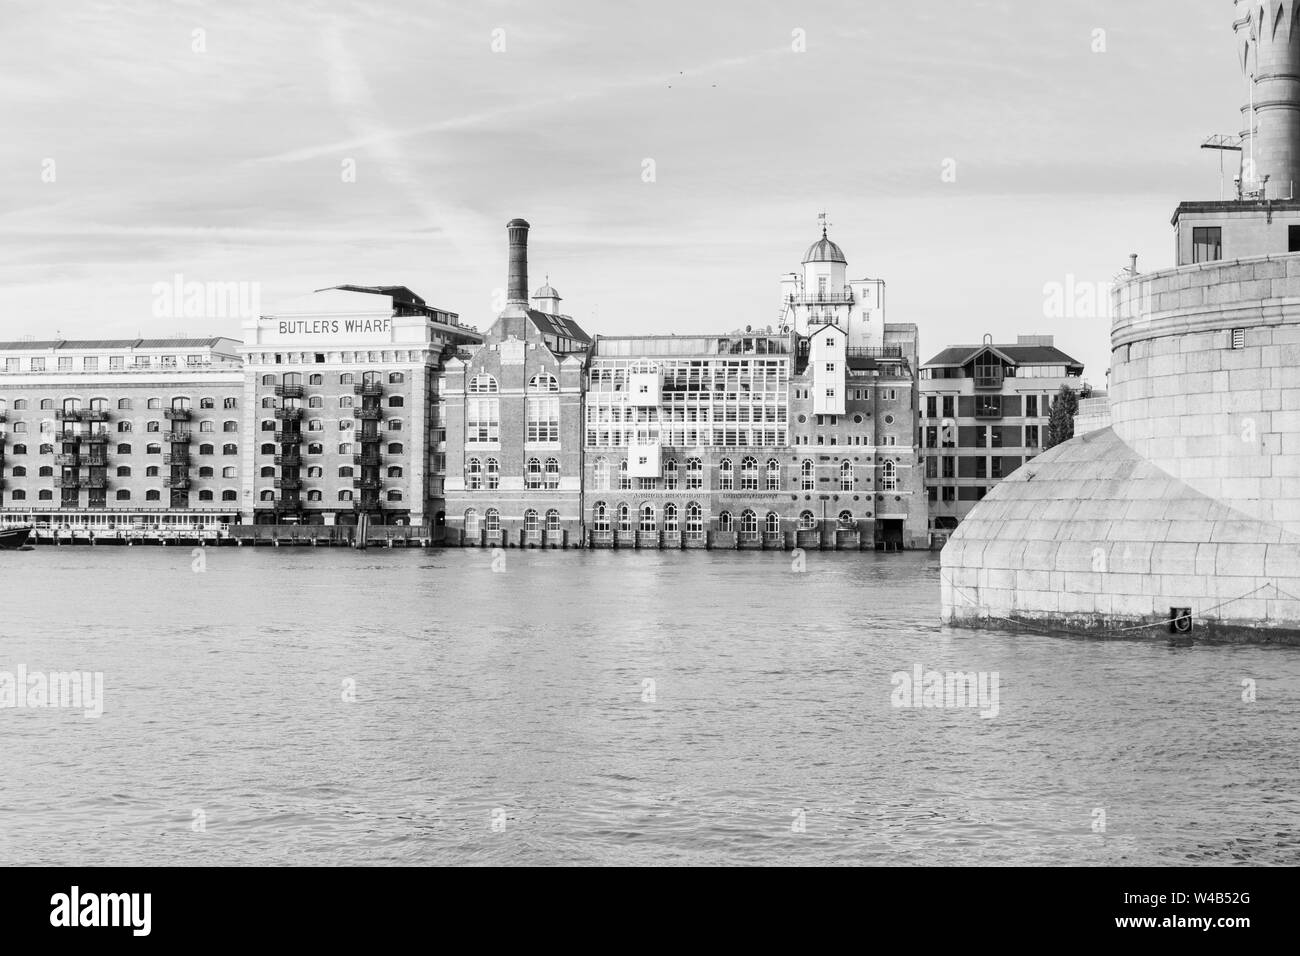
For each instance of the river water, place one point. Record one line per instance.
(317, 706)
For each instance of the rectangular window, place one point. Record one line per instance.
(38, 365)
(830, 367)
(543, 419)
(90, 364)
(995, 468)
(933, 493)
(931, 406)
(115, 361)
(1238, 338)
(11, 365)
(1031, 436)
(1293, 238)
(949, 406)
(1207, 243)
(949, 466)
(482, 420)
(1031, 406)
(949, 493)
(65, 364)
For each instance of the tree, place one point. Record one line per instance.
(1060, 421)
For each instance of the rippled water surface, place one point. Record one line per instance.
(507, 718)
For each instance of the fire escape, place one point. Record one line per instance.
(370, 457)
(81, 449)
(288, 436)
(178, 456)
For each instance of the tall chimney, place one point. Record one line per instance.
(1268, 47)
(517, 286)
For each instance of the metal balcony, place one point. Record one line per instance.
(177, 414)
(288, 438)
(95, 437)
(884, 351)
(989, 380)
(177, 437)
(293, 459)
(94, 481)
(368, 461)
(288, 484)
(819, 298)
(367, 414)
(368, 388)
(177, 458)
(68, 481)
(289, 414)
(178, 484)
(289, 391)
(366, 484)
(94, 415)
(67, 414)
(68, 461)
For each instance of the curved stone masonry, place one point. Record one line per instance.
(1191, 499)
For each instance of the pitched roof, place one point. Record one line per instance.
(1016, 354)
(562, 325)
(206, 342)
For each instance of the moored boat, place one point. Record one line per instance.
(11, 539)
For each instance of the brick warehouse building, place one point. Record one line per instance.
(341, 388)
(513, 411)
(109, 435)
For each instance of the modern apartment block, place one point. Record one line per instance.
(109, 435)
(984, 414)
(344, 411)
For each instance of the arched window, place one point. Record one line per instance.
(471, 523)
(153, 449)
(205, 472)
(552, 473)
(648, 520)
(268, 424)
(552, 522)
(207, 449)
(396, 401)
(600, 517)
(670, 474)
(395, 471)
(345, 496)
(316, 380)
(726, 476)
(228, 472)
(889, 476)
(396, 378)
(229, 495)
(205, 495)
(268, 379)
(315, 425)
(493, 474)
(773, 475)
(473, 475)
(346, 378)
(21, 472)
(123, 448)
(846, 521)
(724, 520)
(268, 402)
(20, 428)
(773, 524)
(600, 472)
(846, 476)
(46, 495)
(624, 518)
(207, 403)
(345, 401)
(492, 521)
(482, 384)
(533, 474)
(395, 494)
(394, 424)
(670, 518)
(230, 449)
(21, 403)
(315, 471)
(45, 471)
(749, 474)
(315, 495)
(47, 404)
(269, 449)
(542, 409)
(20, 449)
(124, 425)
(346, 471)
(124, 403)
(153, 494)
(123, 495)
(315, 402)
(266, 471)
(807, 476)
(624, 479)
(394, 448)
(748, 524)
(531, 527)
(694, 474)
(204, 426)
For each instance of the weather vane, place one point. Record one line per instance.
(821, 217)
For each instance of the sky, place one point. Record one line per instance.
(672, 158)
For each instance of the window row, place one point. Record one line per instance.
(123, 494)
(344, 378)
(314, 495)
(480, 474)
(125, 449)
(122, 404)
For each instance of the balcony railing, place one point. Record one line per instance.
(177, 436)
(288, 414)
(289, 391)
(820, 298)
(94, 481)
(95, 437)
(177, 458)
(368, 461)
(177, 414)
(177, 483)
(67, 414)
(988, 411)
(884, 351)
(288, 484)
(366, 484)
(367, 414)
(68, 461)
(68, 481)
(368, 388)
(285, 437)
(293, 460)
